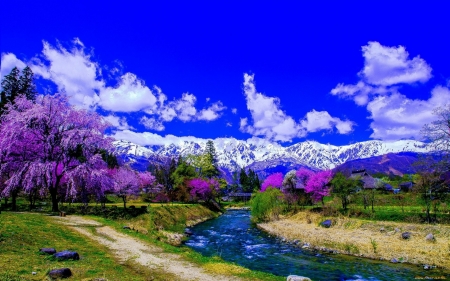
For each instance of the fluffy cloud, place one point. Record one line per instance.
(118, 122)
(273, 123)
(383, 67)
(234, 110)
(152, 124)
(398, 117)
(212, 112)
(130, 95)
(9, 61)
(75, 73)
(359, 92)
(147, 138)
(391, 65)
(321, 120)
(394, 116)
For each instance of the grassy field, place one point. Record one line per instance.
(22, 234)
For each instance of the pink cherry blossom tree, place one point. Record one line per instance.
(316, 185)
(126, 183)
(43, 141)
(203, 189)
(274, 180)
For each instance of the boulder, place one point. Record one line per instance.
(429, 237)
(394, 260)
(382, 229)
(406, 235)
(60, 273)
(188, 232)
(126, 227)
(48, 251)
(397, 229)
(297, 278)
(326, 223)
(66, 255)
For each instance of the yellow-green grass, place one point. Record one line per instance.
(372, 239)
(22, 234)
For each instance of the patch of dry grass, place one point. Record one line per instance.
(372, 239)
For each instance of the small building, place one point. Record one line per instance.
(244, 196)
(406, 186)
(367, 181)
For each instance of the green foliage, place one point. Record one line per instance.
(15, 84)
(267, 205)
(343, 187)
(249, 182)
(374, 245)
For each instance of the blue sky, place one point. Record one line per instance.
(331, 72)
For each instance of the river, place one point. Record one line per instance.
(233, 237)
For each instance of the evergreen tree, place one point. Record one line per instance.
(254, 182)
(15, 84)
(26, 84)
(210, 150)
(244, 181)
(10, 88)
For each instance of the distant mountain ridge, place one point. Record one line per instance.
(262, 155)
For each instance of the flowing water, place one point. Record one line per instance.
(233, 237)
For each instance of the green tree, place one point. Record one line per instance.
(183, 173)
(15, 84)
(343, 187)
(267, 205)
(244, 180)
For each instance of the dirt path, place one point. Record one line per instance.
(129, 248)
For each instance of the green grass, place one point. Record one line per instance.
(22, 234)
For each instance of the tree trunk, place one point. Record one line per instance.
(55, 207)
(14, 201)
(124, 198)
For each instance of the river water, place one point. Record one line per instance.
(233, 237)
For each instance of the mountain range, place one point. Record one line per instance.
(266, 157)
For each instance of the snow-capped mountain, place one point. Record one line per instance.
(233, 153)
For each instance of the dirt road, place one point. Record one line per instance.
(128, 248)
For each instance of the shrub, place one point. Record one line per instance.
(267, 205)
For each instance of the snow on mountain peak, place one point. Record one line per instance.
(233, 153)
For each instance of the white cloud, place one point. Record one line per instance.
(274, 124)
(73, 71)
(147, 138)
(229, 124)
(130, 95)
(212, 112)
(398, 117)
(152, 123)
(321, 120)
(117, 122)
(360, 92)
(391, 65)
(8, 62)
(234, 110)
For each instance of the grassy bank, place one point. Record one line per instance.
(368, 238)
(165, 221)
(22, 234)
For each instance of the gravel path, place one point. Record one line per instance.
(129, 248)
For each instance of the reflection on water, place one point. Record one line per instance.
(232, 237)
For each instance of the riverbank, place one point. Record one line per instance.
(371, 239)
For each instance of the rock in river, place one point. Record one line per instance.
(297, 278)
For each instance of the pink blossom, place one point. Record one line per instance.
(274, 180)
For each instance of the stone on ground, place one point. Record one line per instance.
(48, 251)
(60, 273)
(67, 255)
(297, 278)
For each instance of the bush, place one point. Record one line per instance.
(267, 205)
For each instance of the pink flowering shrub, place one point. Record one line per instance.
(274, 180)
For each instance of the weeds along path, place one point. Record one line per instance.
(129, 248)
